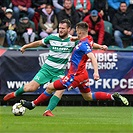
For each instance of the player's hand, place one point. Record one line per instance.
(104, 47)
(96, 76)
(22, 50)
(74, 38)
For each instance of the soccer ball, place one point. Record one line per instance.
(18, 109)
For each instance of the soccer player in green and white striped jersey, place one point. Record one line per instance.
(55, 64)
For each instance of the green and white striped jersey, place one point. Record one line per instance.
(59, 53)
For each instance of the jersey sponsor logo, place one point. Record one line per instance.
(61, 49)
(62, 43)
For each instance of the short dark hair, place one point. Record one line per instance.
(47, 5)
(123, 3)
(67, 0)
(82, 25)
(67, 21)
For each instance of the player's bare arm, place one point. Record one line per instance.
(95, 65)
(98, 46)
(31, 45)
(95, 45)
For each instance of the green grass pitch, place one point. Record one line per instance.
(69, 120)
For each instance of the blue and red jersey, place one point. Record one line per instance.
(77, 75)
(79, 56)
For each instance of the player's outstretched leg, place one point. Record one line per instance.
(14, 94)
(31, 86)
(120, 98)
(106, 96)
(27, 104)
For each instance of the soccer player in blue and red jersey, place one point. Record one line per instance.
(77, 75)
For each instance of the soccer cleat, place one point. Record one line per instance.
(27, 104)
(9, 96)
(120, 98)
(48, 113)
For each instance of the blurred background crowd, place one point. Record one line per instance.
(24, 21)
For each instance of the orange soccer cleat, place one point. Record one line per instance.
(48, 113)
(9, 96)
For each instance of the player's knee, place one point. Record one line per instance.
(50, 87)
(26, 88)
(88, 97)
(29, 88)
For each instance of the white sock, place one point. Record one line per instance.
(33, 104)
